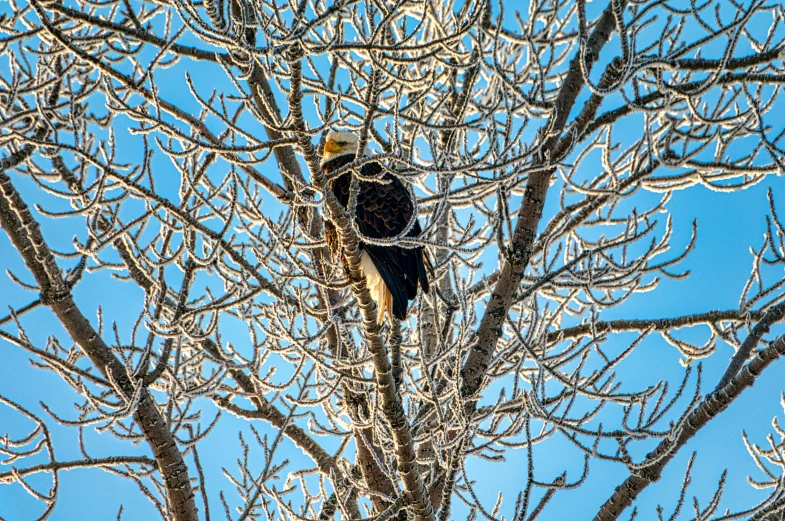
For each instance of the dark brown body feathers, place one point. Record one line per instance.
(383, 211)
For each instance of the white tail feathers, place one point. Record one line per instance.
(376, 286)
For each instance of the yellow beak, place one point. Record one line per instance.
(331, 146)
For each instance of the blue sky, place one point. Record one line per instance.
(729, 225)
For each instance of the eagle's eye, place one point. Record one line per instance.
(342, 144)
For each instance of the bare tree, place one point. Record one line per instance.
(178, 143)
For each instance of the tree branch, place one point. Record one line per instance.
(26, 237)
(521, 244)
(711, 406)
(657, 324)
(391, 402)
(111, 461)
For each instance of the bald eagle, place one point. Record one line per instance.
(383, 210)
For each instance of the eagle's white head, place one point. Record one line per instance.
(339, 143)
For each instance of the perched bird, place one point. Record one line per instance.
(383, 210)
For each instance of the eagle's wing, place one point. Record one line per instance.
(383, 211)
